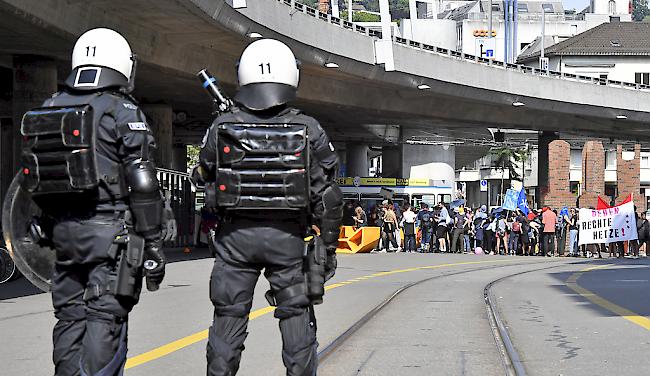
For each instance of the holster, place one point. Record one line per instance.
(315, 256)
(129, 266)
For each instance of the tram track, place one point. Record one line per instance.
(510, 358)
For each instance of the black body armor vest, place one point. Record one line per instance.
(262, 166)
(59, 149)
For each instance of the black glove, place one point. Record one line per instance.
(330, 266)
(154, 264)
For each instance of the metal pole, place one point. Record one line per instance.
(384, 10)
(543, 32)
(506, 25)
(490, 28)
(350, 11)
(334, 5)
(515, 15)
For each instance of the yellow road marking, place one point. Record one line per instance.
(202, 335)
(625, 313)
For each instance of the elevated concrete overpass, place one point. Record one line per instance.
(358, 101)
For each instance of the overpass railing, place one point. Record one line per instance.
(460, 55)
(178, 190)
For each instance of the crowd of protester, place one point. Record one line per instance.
(540, 232)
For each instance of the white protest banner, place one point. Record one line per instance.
(607, 225)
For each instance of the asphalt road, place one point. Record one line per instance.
(436, 328)
(577, 328)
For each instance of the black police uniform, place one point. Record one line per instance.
(90, 335)
(271, 238)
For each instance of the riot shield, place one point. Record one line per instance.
(19, 215)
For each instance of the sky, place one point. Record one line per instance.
(577, 4)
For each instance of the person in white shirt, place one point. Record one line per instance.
(408, 225)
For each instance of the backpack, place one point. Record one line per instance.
(516, 226)
(426, 219)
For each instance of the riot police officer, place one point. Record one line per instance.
(86, 164)
(270, 170)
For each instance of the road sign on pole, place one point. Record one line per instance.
(543, 63)
(484, 185)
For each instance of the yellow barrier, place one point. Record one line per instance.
(361, 240)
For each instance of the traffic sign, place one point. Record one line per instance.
(543, 63)
(489, 53)
(484, 185)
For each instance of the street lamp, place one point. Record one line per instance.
(331, 65)
(254, 35)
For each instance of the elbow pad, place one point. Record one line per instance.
(332, 217)
(144, 196)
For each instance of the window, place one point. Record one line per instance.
(496, 7)
(576, 159)
(574, 186)
(547, 8)
(612, 7)
(522, 8)
(642, 78)
(444, 198)
(645, 162)
(610, 160)
(611, 189)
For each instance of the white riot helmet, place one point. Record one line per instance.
(268, 75)
(101, 58)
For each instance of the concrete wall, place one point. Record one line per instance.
(602, 7)
(440, 33)
(618, 68)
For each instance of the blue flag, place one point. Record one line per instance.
(522, 202)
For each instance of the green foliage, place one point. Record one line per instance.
(311, 3)
(361, 17)
(192, 155)
(506, 158)
(640, 10)
(398, 9)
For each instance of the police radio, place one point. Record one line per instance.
(221, 101)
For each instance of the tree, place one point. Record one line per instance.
(640, 10)
(192, 155)
(507, 158)
(361, 17)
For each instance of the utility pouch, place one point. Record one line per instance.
(315, 256)
(129, 269)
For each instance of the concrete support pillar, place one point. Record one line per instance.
(593, 174)
(628, 175)
(343, 162)
(544, 139)
(179, 161)
(558, 193)
(434, 162)
(34, 80)
(159, 117)
(356, 156)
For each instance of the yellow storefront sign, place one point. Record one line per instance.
(386, 182)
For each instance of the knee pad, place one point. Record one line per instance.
(225, 344)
